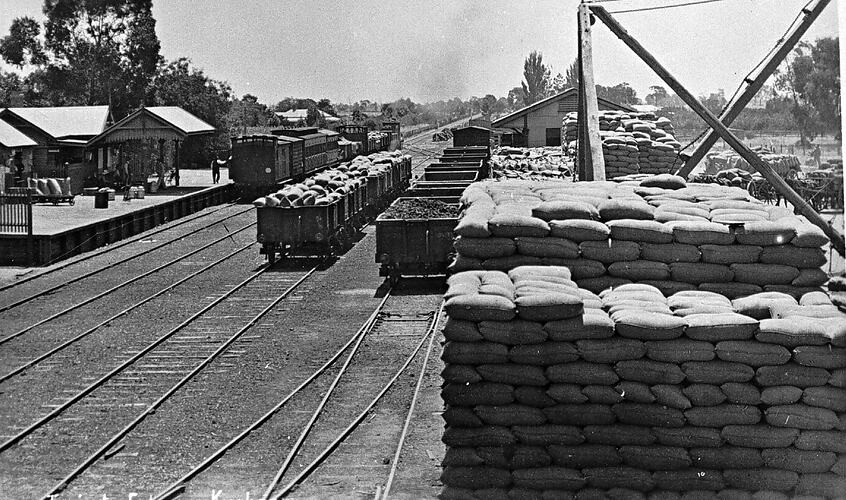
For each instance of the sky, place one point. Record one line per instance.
(431, 50)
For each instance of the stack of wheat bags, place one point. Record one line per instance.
(658, 231)
(551, 391)
(620, 151)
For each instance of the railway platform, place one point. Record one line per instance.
(62, 231)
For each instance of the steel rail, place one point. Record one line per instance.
(43, 420)
(328, 450)
(187, 378)
(52, 289)
(121, 285)
(109, 248)
(387, 488)
(94, 328)
(179, 485)
(292, 453)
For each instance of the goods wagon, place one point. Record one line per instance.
(333, 151)
(318, 216)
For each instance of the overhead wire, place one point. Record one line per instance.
(660, 7)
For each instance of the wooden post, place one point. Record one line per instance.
(591, 160)
(837, 240)
(741, 100)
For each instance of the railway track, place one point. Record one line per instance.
(19, 297)
(112, 400)
(356, 388)
(111, 248)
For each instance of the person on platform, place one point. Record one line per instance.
(18, 163)
(815, 154)
(215, 168)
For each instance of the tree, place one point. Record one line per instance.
(558, 84)
(21, 46)
(325, 105)
(9, 84)
(94, 52)
(715, 102)
(248, 112)
(313, 116)
(488, 103)
(811, 76)
(621, 93)
(179, 83)
(535, 78)
(516, 98)
(657, 95)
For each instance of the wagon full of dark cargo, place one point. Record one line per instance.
(308, 231)
(414, 247)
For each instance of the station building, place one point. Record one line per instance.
(540, 123)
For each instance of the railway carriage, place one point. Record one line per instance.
(262, 162)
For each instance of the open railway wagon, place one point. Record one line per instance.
(318, 216)
(414, 236)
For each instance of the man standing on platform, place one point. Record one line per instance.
(215, 167)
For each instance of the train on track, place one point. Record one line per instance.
(261, 163)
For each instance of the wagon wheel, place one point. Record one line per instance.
(759, 189)
(270, 253)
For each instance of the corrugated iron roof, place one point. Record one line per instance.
(543, 102)
(11, 137)
(295, 115)
(288, 138)
(66, 121)
(181, 119)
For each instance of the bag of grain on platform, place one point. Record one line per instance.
(579, 230)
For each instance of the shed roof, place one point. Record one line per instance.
(136, 125)
(65, 121)
(557, 97)
(181, 119)
(11, 137)
(295, 115)
(287, 138)
(484, 129)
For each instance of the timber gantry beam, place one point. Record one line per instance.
(802, 206)
(734, 108)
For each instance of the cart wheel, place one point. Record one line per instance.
(72, 202)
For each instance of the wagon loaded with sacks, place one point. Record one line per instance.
(625, 340)
(318, 216)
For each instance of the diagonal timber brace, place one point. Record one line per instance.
(753, 86)
(760, 165)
